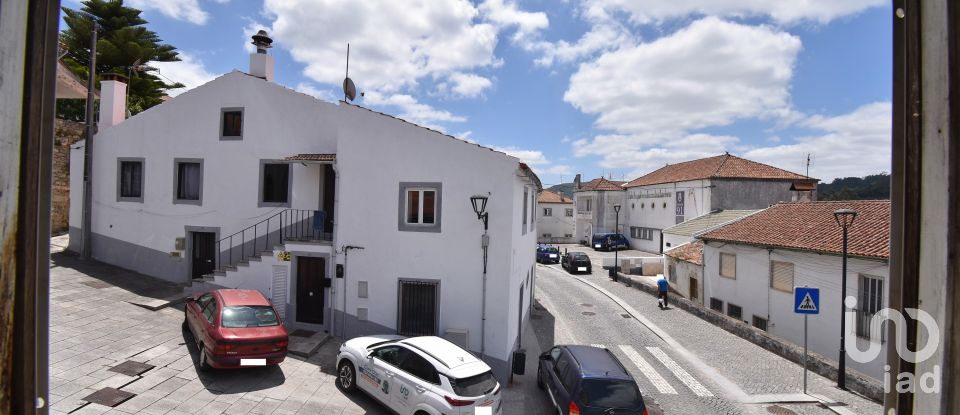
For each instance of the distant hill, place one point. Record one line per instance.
(876, 186)
(565, 189)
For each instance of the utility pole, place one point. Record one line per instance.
(808, 164)
(86, 232)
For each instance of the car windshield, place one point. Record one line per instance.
(610, 394)
(249, 316)
(478, 385)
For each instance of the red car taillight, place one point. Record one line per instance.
(457, 402)
(645, 411)
(574, 409)
(224, 349)
(280, 345)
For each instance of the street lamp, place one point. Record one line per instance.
(844, 219)
(616, 230)
(479, 203)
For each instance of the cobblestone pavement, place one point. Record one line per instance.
(94, 328)
(730, 360)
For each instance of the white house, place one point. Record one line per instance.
(594, 202)
(555, 219)
(683, 268)
(683, 191)
(688, 230)
(351, 221)
(751, 267)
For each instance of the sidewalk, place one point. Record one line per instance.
(522, 396)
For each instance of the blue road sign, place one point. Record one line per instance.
(806, 300)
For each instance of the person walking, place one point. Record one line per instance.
(664, 287)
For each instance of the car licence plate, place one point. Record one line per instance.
(596, 246)
(483, 410)
(581, 268)
(253, 362)
(553, 255)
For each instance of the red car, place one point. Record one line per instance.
(235, 328)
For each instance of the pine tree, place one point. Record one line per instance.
(123, 43)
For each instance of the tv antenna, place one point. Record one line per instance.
(349, 89)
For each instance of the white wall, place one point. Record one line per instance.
(558, 225)
(750, 290)
(680, 280)
(645, 208)
(601, 218)
(672, 240)
(376, 153)
(188, 126)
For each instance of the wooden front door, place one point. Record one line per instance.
(311, 273)
(203, 255)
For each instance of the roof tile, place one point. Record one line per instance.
(724, 166)
(691, 252)
(811, 226)
(552, 197)
(600, 184)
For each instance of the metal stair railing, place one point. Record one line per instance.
(288, 224)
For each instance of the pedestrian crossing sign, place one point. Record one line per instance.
(806, 300)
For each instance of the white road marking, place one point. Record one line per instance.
(658, 381)
(679, 372)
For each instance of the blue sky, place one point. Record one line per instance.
(613, 87)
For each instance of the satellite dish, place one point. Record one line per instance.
(349, 89)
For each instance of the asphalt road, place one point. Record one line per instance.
(583, 315)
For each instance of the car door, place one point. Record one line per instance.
(207, 323)
(414, 383)
(376, 376)
(550, 378)
(195, 313)
(560, 373)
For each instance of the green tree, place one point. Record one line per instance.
(123, 45)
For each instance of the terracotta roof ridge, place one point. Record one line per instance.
(716, 173)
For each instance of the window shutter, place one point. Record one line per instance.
(781, 276)
(728, 265)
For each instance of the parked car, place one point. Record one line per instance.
(235, 328)
(610, 242)
(547, 254)
(587, 380)
(575, 262)
(417, 375)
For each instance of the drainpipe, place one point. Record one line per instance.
(333, 244)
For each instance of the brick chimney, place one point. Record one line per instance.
(261, 64)
(576, 182)
(113, 100)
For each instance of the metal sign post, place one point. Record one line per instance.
(806, 301)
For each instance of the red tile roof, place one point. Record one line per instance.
(725, 166)
(312, 157)
(810, 226)
(600, 184)
(691, 252)
(547, 196)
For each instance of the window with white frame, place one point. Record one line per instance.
(781, 276)
(419, 207)
(525, 197)
(869, 303)
(569, 213)
(547, 212)
(728, 265)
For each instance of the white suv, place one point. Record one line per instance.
(418, 375)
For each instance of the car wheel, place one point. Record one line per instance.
(346, 376)
(204, 363)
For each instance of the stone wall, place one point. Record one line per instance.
(66, 133)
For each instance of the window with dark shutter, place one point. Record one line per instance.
(276, 183)
(231, 123)
(130, 180)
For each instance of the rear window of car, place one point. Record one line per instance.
(578, 256)
(609, 394)
(551, 250)
(478, 385)
(248, 316)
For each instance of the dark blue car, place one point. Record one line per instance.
(586, 380)
(609, 242)
(547, 254)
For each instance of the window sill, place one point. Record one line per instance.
(188, 202)
(273, 204)
(231, 138)
(130, 199)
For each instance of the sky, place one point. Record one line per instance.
(597, 87)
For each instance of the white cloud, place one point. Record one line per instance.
(414, 111)
(188, 71)
(560, 170)
(534, 158)
(603, 36)
(187, 10)
(463, 85)
(507, 14)
(707, 74)
(854, 144)
(789, 12)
